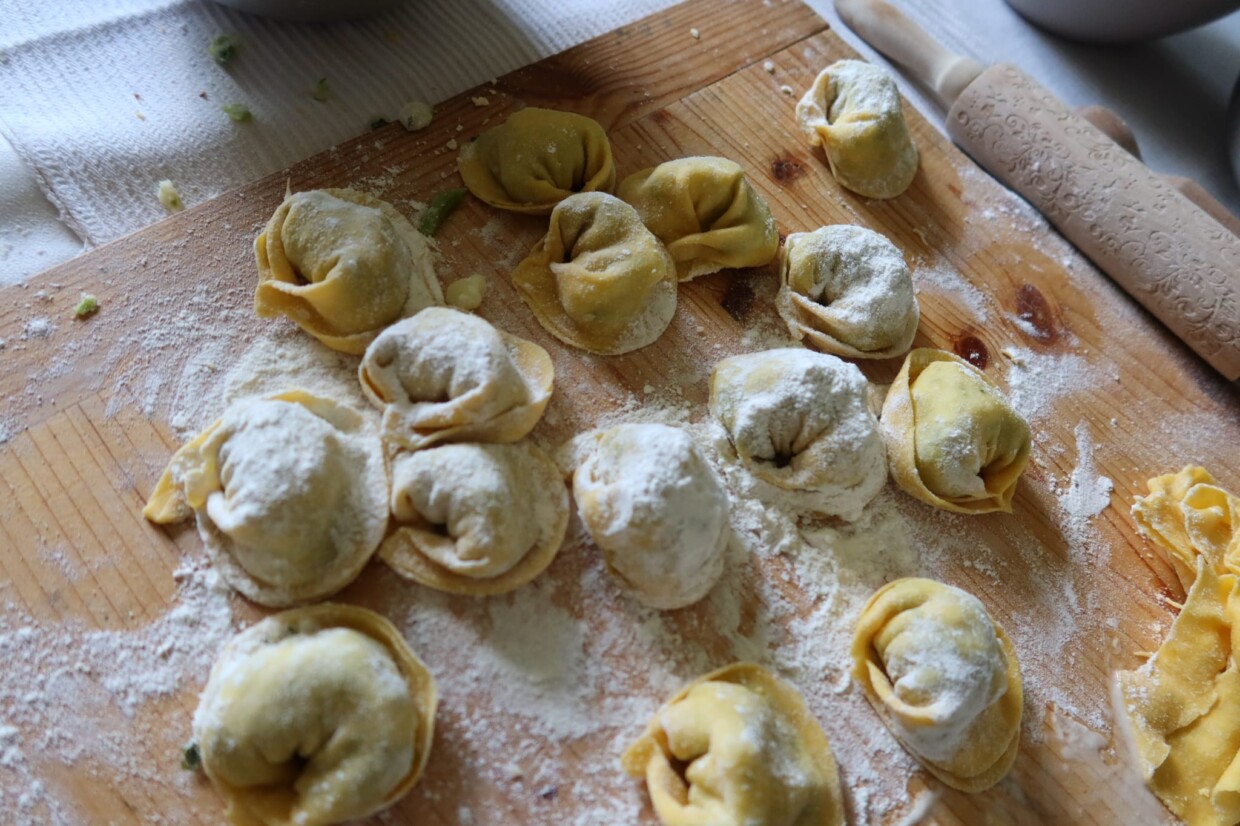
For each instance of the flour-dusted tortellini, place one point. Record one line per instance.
(448, 376)
(475, 518)
(943, 677)
(315, 716)
(846, 290)
(800, 420)
(343, 265)
(953, 439)
(537, 158)
(853, 112)
(290, 494)
(705, 212)
(599, 280)
(652, 504)
(738, 747)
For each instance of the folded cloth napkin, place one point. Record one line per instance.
(105, 98)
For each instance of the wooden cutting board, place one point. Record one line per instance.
(85, 413)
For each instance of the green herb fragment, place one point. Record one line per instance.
(223, 48)
(236, 112)
(442, 205)
(169, 197)
(191, 757)
(321, 91)
(87, 306)
(379, 122)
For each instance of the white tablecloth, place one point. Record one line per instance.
(101, 99)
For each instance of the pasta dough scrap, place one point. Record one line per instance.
(705, 212)
(289, 493)
(537, 158)
(599, 280)
(343, 265)
(847, 291)
(1183, 705)
(1188, 515)
(853, 112)
(943, 677)
(315, 716)
(476, 519)
(953, 439)
(448, 376)
(652, 504)
(801, 421)
(751, 752)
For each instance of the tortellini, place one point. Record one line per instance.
(448, 376)
(738, 747)
(944, 678)
(953, 439)
(655, 508)
(290, 494)
(705, 212)
(315, 716)
(343, 265)
(853, 112)
(537, 158)
(475, 518)
(800, 420)
(599, 280)
(846, 290)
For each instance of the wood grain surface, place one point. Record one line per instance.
(85, 412)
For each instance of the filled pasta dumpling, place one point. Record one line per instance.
(705, 212)
(738, 746)
(853, 112)
(537, 158)
(655, 508)
(475, 518)
(448, 376)
(315, 716)
(847, 291)
(599, 280)
(953, 439)
(342, 265)
(800, 421)
(943, 677)
(289, 492)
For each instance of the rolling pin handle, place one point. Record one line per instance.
(942, 72)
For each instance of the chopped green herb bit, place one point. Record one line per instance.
(321, 91)
(223, 48)
(87, 306)
(442, 205)
(169, 197)
(236, 112)
(191, 757)
(379, 122)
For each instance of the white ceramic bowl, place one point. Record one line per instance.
(1120, 21)
(310, 10)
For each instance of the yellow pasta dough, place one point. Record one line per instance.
(1183, 705)
(705, 212)
(315, 716)
(475, 518)
(737, 747)
(599, 280)
(289, 493)
(537, 158)
(953, 439)
(943, 677)
(853, 112)
(847, 291)
(448, 376)
(343, 265)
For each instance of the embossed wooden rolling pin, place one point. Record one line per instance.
(1166, 251)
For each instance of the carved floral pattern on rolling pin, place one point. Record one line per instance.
(1183, 266)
